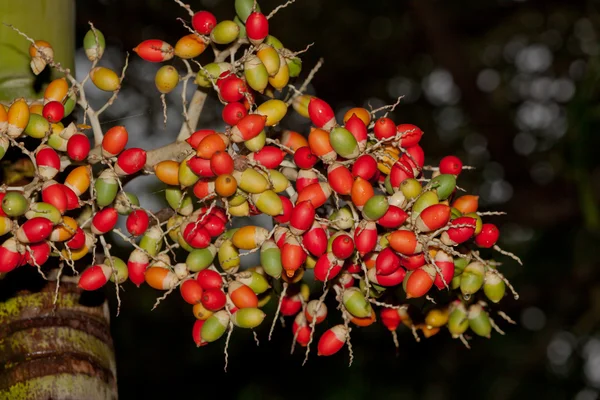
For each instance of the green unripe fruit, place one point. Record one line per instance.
(105, 79)
(225, 32)
(479, 322)
(278, 180)
(4, 145)
(273, 41)
(257, 142)
(255, 281)
(14, 204)
(375, 207)
(342, 218)
(256, 74)
(478, 222)
(242, 27)
(295, 66)
(355, 303)
(215, 326)
(106, 186)
(425, 200)
(243, 8)
(270, 259)
(186, 176)
(124, 202)
(472, 278)
(166, 78)
(454, 213)
(152, 241)
(443, 185)
(207, 76)
(455, 283)
(200, 259)
(458, 322)
(176, 200)
(460, 264)
(376, 290)
(44, 210)
(94, 44)
(388, 185)
(229, 256)
(57, 142)
(344, 143)
(493, 286)
(120, 272)
(268, 202)
(237, 200)
(37, 127)
(248, 317)
(411, 188)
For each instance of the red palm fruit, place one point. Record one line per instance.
(387, 262)
(415, 157)
(390, 318)
(399, 173)
(191, 291)
(301, 330)
(410, 135)
(2, 213)
(94, 277)
(114, 141)
(339, 178)
(130, 161)
(352, 268)
(248, 127)
(433, 217)
(460, 234)
(10, 258)
(137, 222)
(365, 237)
(204, 22)
(466, 204)
(362, 191)
(358, 129)
(242, 296)
(365, 166)
(405, 242)
(35, 230)
(154, 50)
(201, 167)
(286, 214)
(213, 225)
(221, 163)
(305, 178)
(53, 111)
(233, 113)
(445, 264)
(304, 158)
(48, 162)
(71, 196)
(315, 310)
(231, 88)
(293, 140)
(257, 27)
(394, 217)
(77, 241)
(488, 236)
(269, 156)
(78, 147)
(291, 305)
(450, 165)
(332, 340)
(137, 263)
(321, 114)
(384, 128)
(419, 281)
(196, 235)
(346, 280)
(213, 299)
(302, 217)
(292, 255)
(413, 262)
(315, 240)
(327, 267)
(320, 146)
(342, 246)
(39, 254)
(104, 220)
(196, 137)
(316, 193)
(280, 235)
(393, 279)
(211, 144)
(53, 193)
(204, 188)
(196, 330)
(209, 279)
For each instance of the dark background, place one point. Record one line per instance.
(511, 87)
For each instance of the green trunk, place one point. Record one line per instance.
(47, 350)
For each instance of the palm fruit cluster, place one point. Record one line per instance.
(353, 206)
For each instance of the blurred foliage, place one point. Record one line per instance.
(512, 88)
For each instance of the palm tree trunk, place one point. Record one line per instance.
(48, 349)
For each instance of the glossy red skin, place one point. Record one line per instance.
(221, 163)
(204, 22)
(320, 112)
(304, 181)
(77, 241)
(416, 160)
(47, 157)
(78, 147)
(37, 229)
(53, 111)
(488, 236)
(384, 128)
(418, 283)
(393, 279)
(251, 125)
(132, 160)
(394, 217)
(196, 330)
(257, 26)
(461, 235)
(411, 134)
(365, 166)
(342, 246)
(72, 199)
(191, 291)
(340, 179)
(387, 262)
(357, 128)
(288, 206)
(233, 112)
(55, 195)
(390, 318)
(352, 268)
(269, 156)
(196, 137)
(400, 172)
(447, 269)
(304, 158)
(137, 272)
(41, 253)
(214, 299)
(365, 240)
(9, 260)
(209, 279)
(315, 241)
(450, 165)
(92, 278)
(200, 167)
(435, 216)
(137, 222)
(290, 305)
(150, 50)
(413, 262)
(303, 216)
(324, 265)
(231, 88)
(301, 333)
(196, 236)
(105, 219)
(213, 225)
(2, 194)
(329, 344)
